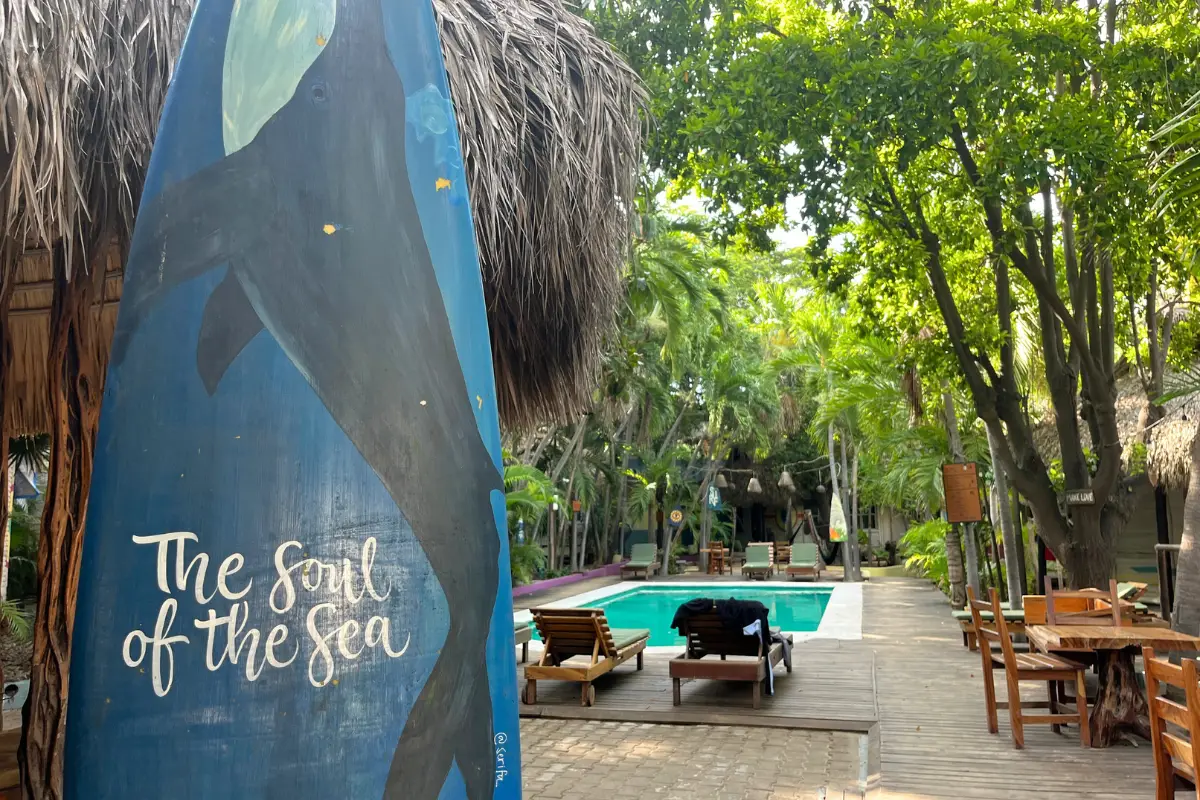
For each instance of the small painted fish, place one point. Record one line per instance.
(443, 183)
(331, 228)
(321, 40)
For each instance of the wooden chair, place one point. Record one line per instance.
(710, 646)
(1103, 608)
(783, 554)
(1019, 667)
(570, 632)
(1174, 754)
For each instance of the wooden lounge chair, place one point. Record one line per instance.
(760, 560)
(572, 632)
(643, 558)
(523, 633)
(720, 653)
(1018, 667)
(805, 560)
(1173, 751)
(1131, 591)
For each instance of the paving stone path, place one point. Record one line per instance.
(585, 760)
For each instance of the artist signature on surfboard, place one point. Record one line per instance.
(230, 639)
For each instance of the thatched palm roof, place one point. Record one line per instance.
(551, 123)
(1168, 441)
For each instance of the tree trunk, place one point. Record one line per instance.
(954, 568)
(972, 556)
(1014, 551)
(1186, 614)
(8, 282)
(74, 397)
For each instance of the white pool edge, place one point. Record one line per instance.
(842, 619)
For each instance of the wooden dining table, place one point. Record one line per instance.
(1120, 704)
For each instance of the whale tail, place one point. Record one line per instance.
(451, 722)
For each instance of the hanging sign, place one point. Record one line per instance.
(714, 497)
(676, 518)
(1079, 497)
(961, 483)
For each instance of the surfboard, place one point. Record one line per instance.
(294, 581)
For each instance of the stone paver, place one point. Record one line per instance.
(583, 760)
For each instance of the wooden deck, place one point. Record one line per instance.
(818, 694)
(915, 692)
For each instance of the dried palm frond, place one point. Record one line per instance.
(551, 126)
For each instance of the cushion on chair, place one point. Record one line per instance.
(623, 637)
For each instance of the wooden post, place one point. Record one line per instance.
(75, 388)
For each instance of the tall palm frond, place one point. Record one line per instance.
(1180, 143)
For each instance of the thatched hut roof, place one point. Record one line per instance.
(551, 124)
(1168, 442)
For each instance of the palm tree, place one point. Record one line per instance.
(1180, 185)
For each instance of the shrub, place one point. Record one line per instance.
(926, 547)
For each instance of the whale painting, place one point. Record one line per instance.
(295, 573)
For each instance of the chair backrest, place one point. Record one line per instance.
(1035, 607)
(760, 554)
(644, 553)
(1104, 608)
(805, 553)
(993, 632)
(567, 632)
(1174, 727)
(707, 634)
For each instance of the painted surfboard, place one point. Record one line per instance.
(295, 576)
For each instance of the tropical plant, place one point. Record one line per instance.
(925, 547)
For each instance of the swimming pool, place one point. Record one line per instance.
(796, 609)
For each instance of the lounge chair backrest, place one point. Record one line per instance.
(804, 553)
(568, 632)
(1104, 608)
(1131, 591)
(1174, 748)
(707, 634)
(759, 554)
(644, 553)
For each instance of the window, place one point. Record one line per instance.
(867, 519)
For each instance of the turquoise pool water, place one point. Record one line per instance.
(792, 609)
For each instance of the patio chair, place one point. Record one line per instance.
(572, 632)
(1019, 667)
(1174, 755)
(1103, 608)
(805, 560)
(760, 560)
(642, 558)
(523, 634)
(718, 652)
(1015, 617)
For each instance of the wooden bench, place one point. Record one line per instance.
(710, 646)
(568, 633)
